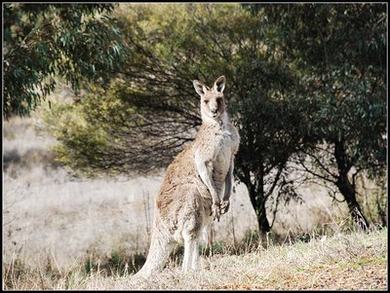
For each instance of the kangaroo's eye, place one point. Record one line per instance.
(206, 101)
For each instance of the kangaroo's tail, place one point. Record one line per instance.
(160, 248)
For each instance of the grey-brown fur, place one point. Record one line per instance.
(197, 184)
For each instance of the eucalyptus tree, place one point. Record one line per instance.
(45, 41)
(339, 51)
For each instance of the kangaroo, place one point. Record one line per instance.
(197, 185)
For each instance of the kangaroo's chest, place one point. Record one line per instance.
(216, 145)
(223, 146)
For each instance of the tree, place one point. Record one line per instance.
(44, 41)
(268, 111)
(340, 53)
(151, 110)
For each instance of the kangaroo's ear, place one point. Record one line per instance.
(219, 84)
(200, 88)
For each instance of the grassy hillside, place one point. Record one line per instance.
(343, 261)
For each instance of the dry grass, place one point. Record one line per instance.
(354, 261)
(343, 261)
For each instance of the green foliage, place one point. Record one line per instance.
(340, 51)
(351, 109)
(43, 41)
(85, 144)
(70, 122)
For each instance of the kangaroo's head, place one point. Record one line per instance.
(212, 102)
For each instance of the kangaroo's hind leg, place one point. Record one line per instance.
(192, 226)
(191, 251)
(195, 256)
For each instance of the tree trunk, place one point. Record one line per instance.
(262, 220)
(349, 194)
(346, 188)
(258, 198)
(258, 202)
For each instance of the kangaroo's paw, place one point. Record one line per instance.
(225, 204)
(216, 209)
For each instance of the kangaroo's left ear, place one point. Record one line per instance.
(200, 88)
(219, 84)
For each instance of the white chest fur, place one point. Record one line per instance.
(223, 153)
(223, 144)
(215, 147)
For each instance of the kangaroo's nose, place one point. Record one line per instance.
(214, 111)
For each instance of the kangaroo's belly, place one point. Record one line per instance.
(222, 164)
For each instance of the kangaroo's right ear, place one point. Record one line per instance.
(200, 88)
